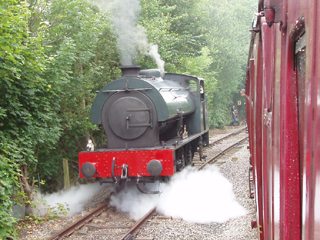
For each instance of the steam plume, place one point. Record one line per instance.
(132, 37)
(195, 196)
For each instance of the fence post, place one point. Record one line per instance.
(66, 174)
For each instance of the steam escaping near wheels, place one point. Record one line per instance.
(72, 201)
(195, 196)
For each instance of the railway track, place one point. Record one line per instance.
(80, 222)
(134, 230)
(101, 224)
(96, 226)
(221, 153)
(227, 136)
(217, 148)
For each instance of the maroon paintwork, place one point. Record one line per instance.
(283, 116)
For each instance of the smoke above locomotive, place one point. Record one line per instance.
(131, 37)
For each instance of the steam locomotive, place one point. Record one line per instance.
(153, 124)
(283, 116)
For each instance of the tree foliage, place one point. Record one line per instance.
(27, 116)
(81, 46)
(229, 34)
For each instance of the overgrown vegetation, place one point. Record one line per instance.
(55, 54)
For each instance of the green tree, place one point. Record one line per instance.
(201, 66)
(81, 46)
(177, 27)
(187, 23)
(27, 119)
(228, 43)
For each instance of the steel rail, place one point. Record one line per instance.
(80, 222)
(129, 234)
(229, 135)
(222, 153)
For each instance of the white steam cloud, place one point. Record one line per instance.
(124, 16)
(74, 199)
(153, 52)
(195, 196)
(132, 37)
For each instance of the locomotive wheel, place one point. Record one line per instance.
(188, 154)
(181, 162)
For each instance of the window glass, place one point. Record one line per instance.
(192, 85)
(300, 65)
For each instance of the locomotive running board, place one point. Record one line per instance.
(178, 142)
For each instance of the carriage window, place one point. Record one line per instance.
(300, 55)
(300, 52)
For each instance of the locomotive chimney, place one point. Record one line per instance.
(130, 71)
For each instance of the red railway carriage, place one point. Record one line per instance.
(283, 115)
